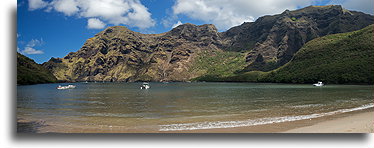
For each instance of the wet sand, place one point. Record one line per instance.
(358, 123)
(24, 126)
(353, 122)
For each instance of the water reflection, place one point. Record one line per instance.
(126, 104)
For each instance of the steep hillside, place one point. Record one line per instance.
(277, 38)
(119, 54)
(29, 72)
(339, 58)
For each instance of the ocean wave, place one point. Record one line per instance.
(253, 122)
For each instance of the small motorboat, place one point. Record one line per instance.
(318, 84)
(66, 87)
(145, 86)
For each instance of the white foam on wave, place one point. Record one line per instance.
(253, 122)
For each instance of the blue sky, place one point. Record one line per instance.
(53, 28)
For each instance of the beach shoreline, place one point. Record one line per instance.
(351, 122)
(361, 122)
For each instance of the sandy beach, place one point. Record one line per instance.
(357, 123)
(352, 122)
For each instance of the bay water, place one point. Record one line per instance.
(186, 106)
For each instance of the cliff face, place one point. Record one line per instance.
(338, 58)
(29, 72)
(277, 38)
(119, 54)
(343, 58)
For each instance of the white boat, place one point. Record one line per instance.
(145, 86)
(66, 87)
(318, 84)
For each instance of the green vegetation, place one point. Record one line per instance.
(260, 65)
(252, 76)
(339, 58)
(29, 72)
(218, 64)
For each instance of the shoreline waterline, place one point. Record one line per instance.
(254, 122)
(335, 123)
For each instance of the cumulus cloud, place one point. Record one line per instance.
(94, 23)
(37, 4)
(68, 7)
(177, 24)
(29, 48)
(127, 12)
(366, 6)
(228, 13)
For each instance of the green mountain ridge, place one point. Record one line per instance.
(338, 58)
(29, 72)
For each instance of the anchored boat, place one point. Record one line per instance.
(318, 84)
(66, 87)
(145, 86)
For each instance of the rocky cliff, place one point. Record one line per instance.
(189, 51)
(338, 58)
(343, 58)
(119, 54)
(277, 38)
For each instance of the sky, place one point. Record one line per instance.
(53, 28)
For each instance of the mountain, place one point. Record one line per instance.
(29, 72)
(119, 54)
(192, 52)
(338, 58)
(277, 38)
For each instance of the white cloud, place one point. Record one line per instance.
(29, 48)
(35, 42)
(37, 4)
(140, 16)
(366, 6)
(68, 7)
(177, 24)
(116, 12)
(228, 13)
(94, 23)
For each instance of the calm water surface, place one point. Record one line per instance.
(186, 106)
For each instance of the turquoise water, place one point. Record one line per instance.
(186, 106)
